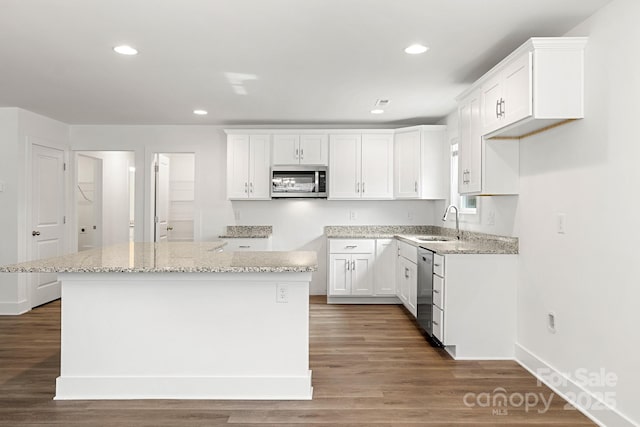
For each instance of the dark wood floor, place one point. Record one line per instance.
(370, 366)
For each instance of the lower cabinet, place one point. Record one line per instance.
(361, 271)
(247, 244)
(474, 300)
(407, 277)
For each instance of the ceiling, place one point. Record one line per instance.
(260, 61)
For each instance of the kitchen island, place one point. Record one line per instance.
(182, 321)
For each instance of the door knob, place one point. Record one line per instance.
(35, 233)
(169, 228)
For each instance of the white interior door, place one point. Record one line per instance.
(162, 198)
(47, 204)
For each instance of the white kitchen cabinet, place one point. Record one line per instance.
(300, 149)
(248, 159)
(485, 167)
(474, 304)
(351, 271)
(407, 276)
(539, 85)
(242, 244)
(361, 166)
(384, 268)
(421, 163)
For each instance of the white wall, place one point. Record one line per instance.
(297, 224)
(588, 171)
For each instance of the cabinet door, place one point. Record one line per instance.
(377, 166)
(492, 96)
(362, 274)
(259, 159)
(314, 150)
(344, 166)
(238, 166)
(286, 149)
(339, 274)
(518, 95)
(407, 165)
(412, 288)
(403, 280)
(470, 145)
(384, 269)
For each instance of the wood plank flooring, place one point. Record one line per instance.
(370, 367)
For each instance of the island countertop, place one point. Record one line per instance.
(171, 257)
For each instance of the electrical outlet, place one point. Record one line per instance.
(353, 215)
(491, 217)
(562, 223)
(551, 321)
(282, 293)
(410, 215)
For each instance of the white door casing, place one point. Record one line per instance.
(47, 216)
(162, 198)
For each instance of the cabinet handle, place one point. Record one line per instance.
(246, 187)
(351, 246)
(497, 108)
(415, 186)
(251, 187)
(503, 108)
(297, 151)
(353, 265)
(406, 272)
(35, 233)
(435, 291)
(436, 265)
(435, 323)
(363, 188)
(302, 154)
(347, 265)
(357, 187)
(244, 246)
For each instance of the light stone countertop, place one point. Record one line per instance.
(470, 242)
(171, 257)
(247, 232)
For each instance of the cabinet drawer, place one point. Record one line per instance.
(438, 324)
(362, 246)
(408, 251)
(438, 265)
(438, 291)
(247, 244)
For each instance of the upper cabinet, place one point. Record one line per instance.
(539, 85)
(421, 158)
(300, 149)
(248, 166)
(360, 166)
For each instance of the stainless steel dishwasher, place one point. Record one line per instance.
(425, 292)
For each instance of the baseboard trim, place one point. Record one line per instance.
(226, 388)
(602, 414)
(14, 308)
(363, 300)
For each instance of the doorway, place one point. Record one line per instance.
(174, 197)
(104, 197)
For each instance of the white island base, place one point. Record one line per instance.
(185, 336)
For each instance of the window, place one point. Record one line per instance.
(467, 205)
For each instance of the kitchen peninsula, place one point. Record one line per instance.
(182, 321)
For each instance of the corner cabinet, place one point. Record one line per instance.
(361, 166)
(248, 162)
(361, 271)
(421, 159)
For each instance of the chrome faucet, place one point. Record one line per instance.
(446, 213)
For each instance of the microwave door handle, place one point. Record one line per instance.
(316, 187)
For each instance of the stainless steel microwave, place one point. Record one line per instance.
(299, 181)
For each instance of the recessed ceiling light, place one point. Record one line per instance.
(377, 111)
(416, 49)
(200, 112)
(125, 50)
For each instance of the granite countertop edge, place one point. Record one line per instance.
(246, 269)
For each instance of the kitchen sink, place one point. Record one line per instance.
(434, 239)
